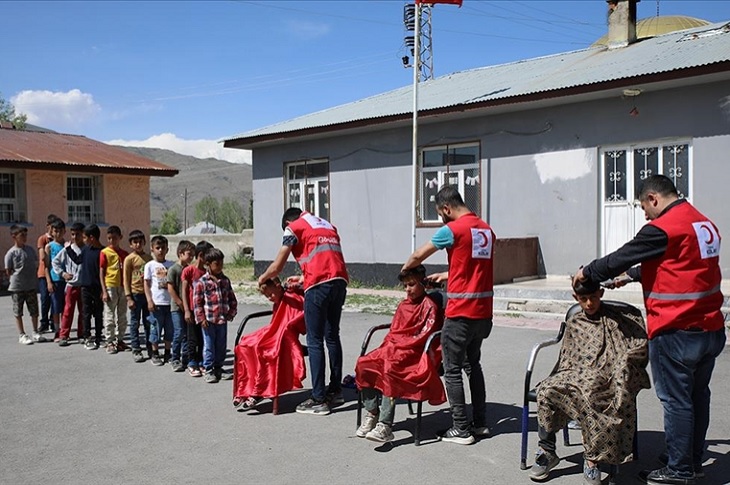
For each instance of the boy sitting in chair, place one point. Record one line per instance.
(269, 361)
(399, 367)
(600, 370)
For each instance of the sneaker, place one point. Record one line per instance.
(122, 347)
(460, 437)
(111, 348)
(664, 476)
(223, 375)
(544, 462)
(194, 372)
(367, 425)
(573, 424)
(591, 475)
(210, 378)
(381, 433)
(90, 345)
(137, 356)
(177, 366)
(37, 337)
(479, 431)
(24, 339)
(63, 342)
(156, 360)
(699, 471)
(334, 398)
(249, 404)
(310, 406)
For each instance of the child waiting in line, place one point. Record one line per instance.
(190, 275)
(133, 280)
(55, 284)
(215, 305)
(43, 240)
(90, 286)
(185, 255)
(21, 265)
(69, 271)
(111, 273)
(158, 299)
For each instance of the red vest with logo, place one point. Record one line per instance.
(471, 278)
(318, 250)
(682, 288)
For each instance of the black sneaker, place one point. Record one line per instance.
(699, 471)
(91, 345)
(310, 406)
(177, 366)
(137, 356)
(544, 462)
(156, 360)
(334, 398)
(63, 342)
(458, 436)
(479, 430)
(664, 476)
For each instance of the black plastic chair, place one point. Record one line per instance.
(419, 404)
(530, 394)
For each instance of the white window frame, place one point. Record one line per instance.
(296, 191)
(90, 206)
(12, 209)
(456, 177)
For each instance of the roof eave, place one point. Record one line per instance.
(258, 140)
(83, 168)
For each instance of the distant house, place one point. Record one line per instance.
(551, 148)
(202, 227)
(74, 177)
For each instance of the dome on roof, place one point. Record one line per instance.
(653, 26)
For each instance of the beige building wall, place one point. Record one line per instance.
(125, 203)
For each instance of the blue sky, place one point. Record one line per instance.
(181, 75)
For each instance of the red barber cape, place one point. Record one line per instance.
(269, 361)
(399, 367)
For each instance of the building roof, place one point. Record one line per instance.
(694, 52)
(203, 227)
(659, 25)
(56, 151)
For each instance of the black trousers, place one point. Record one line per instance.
(92, 307)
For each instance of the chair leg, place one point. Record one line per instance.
(359, 409)
(417, 433)
(276, 405)
(410, 407)
(566, 436)
(613, 472)
(523, 452)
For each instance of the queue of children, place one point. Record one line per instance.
(184, 306)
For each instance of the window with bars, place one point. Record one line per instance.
(457, 165)
(307, 186)
(12, 197)
(83, 196)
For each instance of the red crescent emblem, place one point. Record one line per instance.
(709, 233)
(485, 239)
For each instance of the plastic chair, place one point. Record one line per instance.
(419, 404)
(530, 394)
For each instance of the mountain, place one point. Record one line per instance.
(209, 176)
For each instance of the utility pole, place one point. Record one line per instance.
(185, 211)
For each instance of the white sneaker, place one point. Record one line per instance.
(24, 339)
(37, 337)
(368, 423)
(382, 433)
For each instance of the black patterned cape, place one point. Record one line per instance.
(601, 369)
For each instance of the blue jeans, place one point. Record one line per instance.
(681, 365)
(139, 310)
(179, 340)
(45, 303)
(461, 344)
(215, 338)
(322, 312)
(161, 324)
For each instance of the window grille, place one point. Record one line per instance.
(84, 199)
(457, 165)
(12, 197)
(307, 186)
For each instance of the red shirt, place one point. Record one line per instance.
(191, 274)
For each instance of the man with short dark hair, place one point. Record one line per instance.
(679, 252)
(315, 244)
(469, 242)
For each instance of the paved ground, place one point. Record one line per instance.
(69, 415)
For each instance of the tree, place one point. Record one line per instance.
(7, 113)
(170, 223)
(207, 209)
(231, 216)
(249, 220)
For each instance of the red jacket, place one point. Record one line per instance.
(682, 288)
(318, 250)
(471, 278)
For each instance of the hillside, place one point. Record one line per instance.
(201, 177)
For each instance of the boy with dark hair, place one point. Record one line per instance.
(133, 280)
(215, 305)
(185, 254)
(399, 367)
(21, 263)
(90, 286)
(69, 271)
(190, 275)
(55, 284)
(43, 240)
(158, 299)
(600, 371)
(111, 264)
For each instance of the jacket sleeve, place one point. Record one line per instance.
(199, 301)
(232, 303)
(59, 263)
